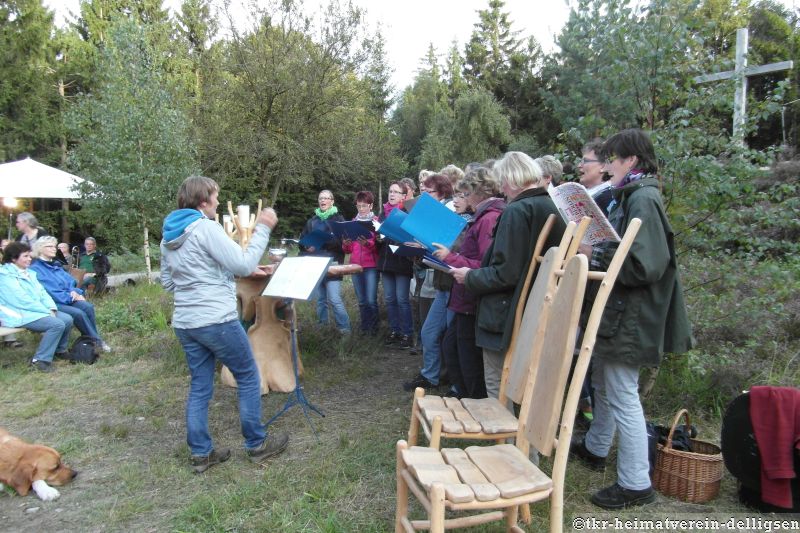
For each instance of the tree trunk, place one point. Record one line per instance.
(147, 255)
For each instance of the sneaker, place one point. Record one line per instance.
(590, 460)
(392, 339)
(201, 463)
(105, 347)
(405, 342)
(13, 344)
(43, 366)
(616, 497)
(270, 447)
(419, 381)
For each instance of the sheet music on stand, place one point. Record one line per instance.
(297, 278)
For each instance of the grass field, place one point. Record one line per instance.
(120, 422)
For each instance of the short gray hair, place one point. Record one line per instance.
(551, 167)
(41, 242)
(29, 219)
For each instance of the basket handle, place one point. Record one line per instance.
(682, 413)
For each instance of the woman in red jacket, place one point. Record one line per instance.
(364, 252)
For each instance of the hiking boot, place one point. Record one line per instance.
(201, 463)
(392, 339)
(43, 366)
(590, 460)
(616, 497)
(404, 342)
(270, 447)
(419, 381)
(61, 355)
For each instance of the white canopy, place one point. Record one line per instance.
(30, 179)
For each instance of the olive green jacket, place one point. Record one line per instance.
(645, 315)
(498, 283)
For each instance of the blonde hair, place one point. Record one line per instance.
(41, 242)
(518, 170)
(453, 173)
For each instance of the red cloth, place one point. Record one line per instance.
(775, 414)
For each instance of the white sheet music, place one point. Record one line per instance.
(297, 277)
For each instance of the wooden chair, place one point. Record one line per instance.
(489, 418)
(544, 389)
(500, 478)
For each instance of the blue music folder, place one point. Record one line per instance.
(316, 238)
(408, 251)
(430, 221)
(391, 227)
(351, 230)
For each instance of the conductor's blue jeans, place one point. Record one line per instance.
(227, 343)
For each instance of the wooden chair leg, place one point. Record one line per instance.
(413, 425)
(437, 508)
(511, 518)
(436, 433)
(401, 509)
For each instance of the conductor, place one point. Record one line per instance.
(198, 264)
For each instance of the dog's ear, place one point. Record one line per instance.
(22, 477)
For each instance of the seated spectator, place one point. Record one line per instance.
(63, 289)
(96, 265)
(24, 303)
(9, 341)
(63, 257)
(29, 226)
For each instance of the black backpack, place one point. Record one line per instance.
(85, 350)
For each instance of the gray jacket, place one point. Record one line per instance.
(199, 266)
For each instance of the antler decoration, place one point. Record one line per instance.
(237, 230)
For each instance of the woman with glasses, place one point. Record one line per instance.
(591, 172)
(396, 274)
(24, 303)
(364, 252)
(644, 318)
(437, 318)
(63, 289)
(480, 190)
(329, 291)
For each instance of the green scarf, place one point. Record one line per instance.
(325, 215)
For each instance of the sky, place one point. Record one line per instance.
(409, 26)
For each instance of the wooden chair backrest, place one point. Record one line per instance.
(548, 377)
(528, 343)
(517, 369)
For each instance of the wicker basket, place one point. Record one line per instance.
(689, 476)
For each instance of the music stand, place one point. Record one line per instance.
(297, 278)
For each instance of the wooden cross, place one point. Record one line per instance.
(740, 73)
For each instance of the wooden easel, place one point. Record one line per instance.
(270, 336)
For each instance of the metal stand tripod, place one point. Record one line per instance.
(297, 396)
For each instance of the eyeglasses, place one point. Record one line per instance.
(426, 189)
(395, 191)
(363, 206)
(325, 198)
(463, 194)
(586, 160)
(48, 246)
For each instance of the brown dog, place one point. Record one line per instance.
(26, 466)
